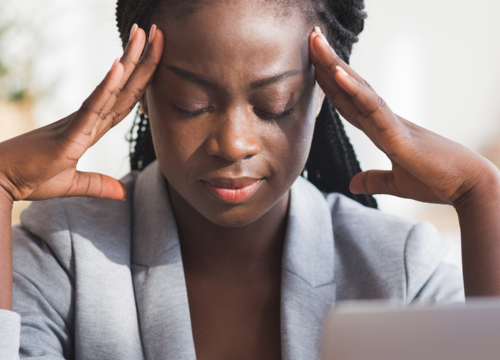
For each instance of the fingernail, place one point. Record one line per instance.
(133, 31)
(152, 33)
(116, 62)
(317, 30)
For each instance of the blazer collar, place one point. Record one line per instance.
(307, 277)
(158, 273)
(307, 284)
(308, 251)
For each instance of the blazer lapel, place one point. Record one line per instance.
(158, 272)
(308, 288)
(105, 310)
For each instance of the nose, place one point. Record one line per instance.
(234, 137)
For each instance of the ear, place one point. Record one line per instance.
(144, 104)
(321, 98)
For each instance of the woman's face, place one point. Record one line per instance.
(232, 108)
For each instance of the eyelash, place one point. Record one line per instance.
(262, 114)
(192, 113)
(268, 116)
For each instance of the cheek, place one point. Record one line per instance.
(295, 142)
(176, 140)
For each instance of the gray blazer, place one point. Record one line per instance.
(99, 279)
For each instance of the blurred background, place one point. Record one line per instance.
(435, 62)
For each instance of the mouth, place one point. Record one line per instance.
(232, 191)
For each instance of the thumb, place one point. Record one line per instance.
(374, 182)
(97, 186)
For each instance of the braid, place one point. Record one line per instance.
(141, 141)
(332, 162)
(129, 12)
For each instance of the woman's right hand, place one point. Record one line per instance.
(41, 164)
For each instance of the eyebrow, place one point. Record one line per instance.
(253, 85)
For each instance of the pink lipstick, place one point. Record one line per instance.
(232, 191)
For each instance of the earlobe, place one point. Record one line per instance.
(144, 105)
(321, 98)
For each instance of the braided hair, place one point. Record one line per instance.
(332, 162)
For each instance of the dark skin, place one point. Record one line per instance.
(232, 251)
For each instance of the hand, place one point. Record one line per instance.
(425, 166)
(41, 164)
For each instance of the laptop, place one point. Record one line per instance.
(377, 331)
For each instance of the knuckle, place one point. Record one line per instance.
(113, 114)
(333, 96)
(355, 113)
(369, 112)
(367, 84)
(103, 116)
(117, 92)
(108, 91)
(377, 105)
(381, 103)
(134, 91)
(87, 107)
(132, 61)
(331, 66)
(102, 88)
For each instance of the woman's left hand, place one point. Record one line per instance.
(425, 167)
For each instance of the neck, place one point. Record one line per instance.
(251, 250)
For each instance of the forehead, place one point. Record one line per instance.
(236, 40)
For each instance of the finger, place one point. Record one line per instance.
(132, 52)
(129, 60)
(312, 52)
(349, 118)
(326, 80)
(97, 186)
(85, 119)
(374, 182)
(141, 76)
(371, 110)
(338, 97)
(323, 75)
(330, 65)
(326, 55)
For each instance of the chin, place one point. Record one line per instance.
(232, 218)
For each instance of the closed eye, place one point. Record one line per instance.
(192, 113)
(262, 114)
(269, 116)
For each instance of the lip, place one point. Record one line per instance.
(232, 191)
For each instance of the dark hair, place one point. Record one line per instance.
(332, 162)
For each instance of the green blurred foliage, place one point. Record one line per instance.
(17, 58)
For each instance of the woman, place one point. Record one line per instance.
(230, 92)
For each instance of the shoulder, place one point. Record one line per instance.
(379, 255)
(350, 217)
(68, 251)
(51, 226)
(375, 231)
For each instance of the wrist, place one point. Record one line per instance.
(6, 205)
(484, 194)
(6, 200)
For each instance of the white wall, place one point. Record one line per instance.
(436, 63)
